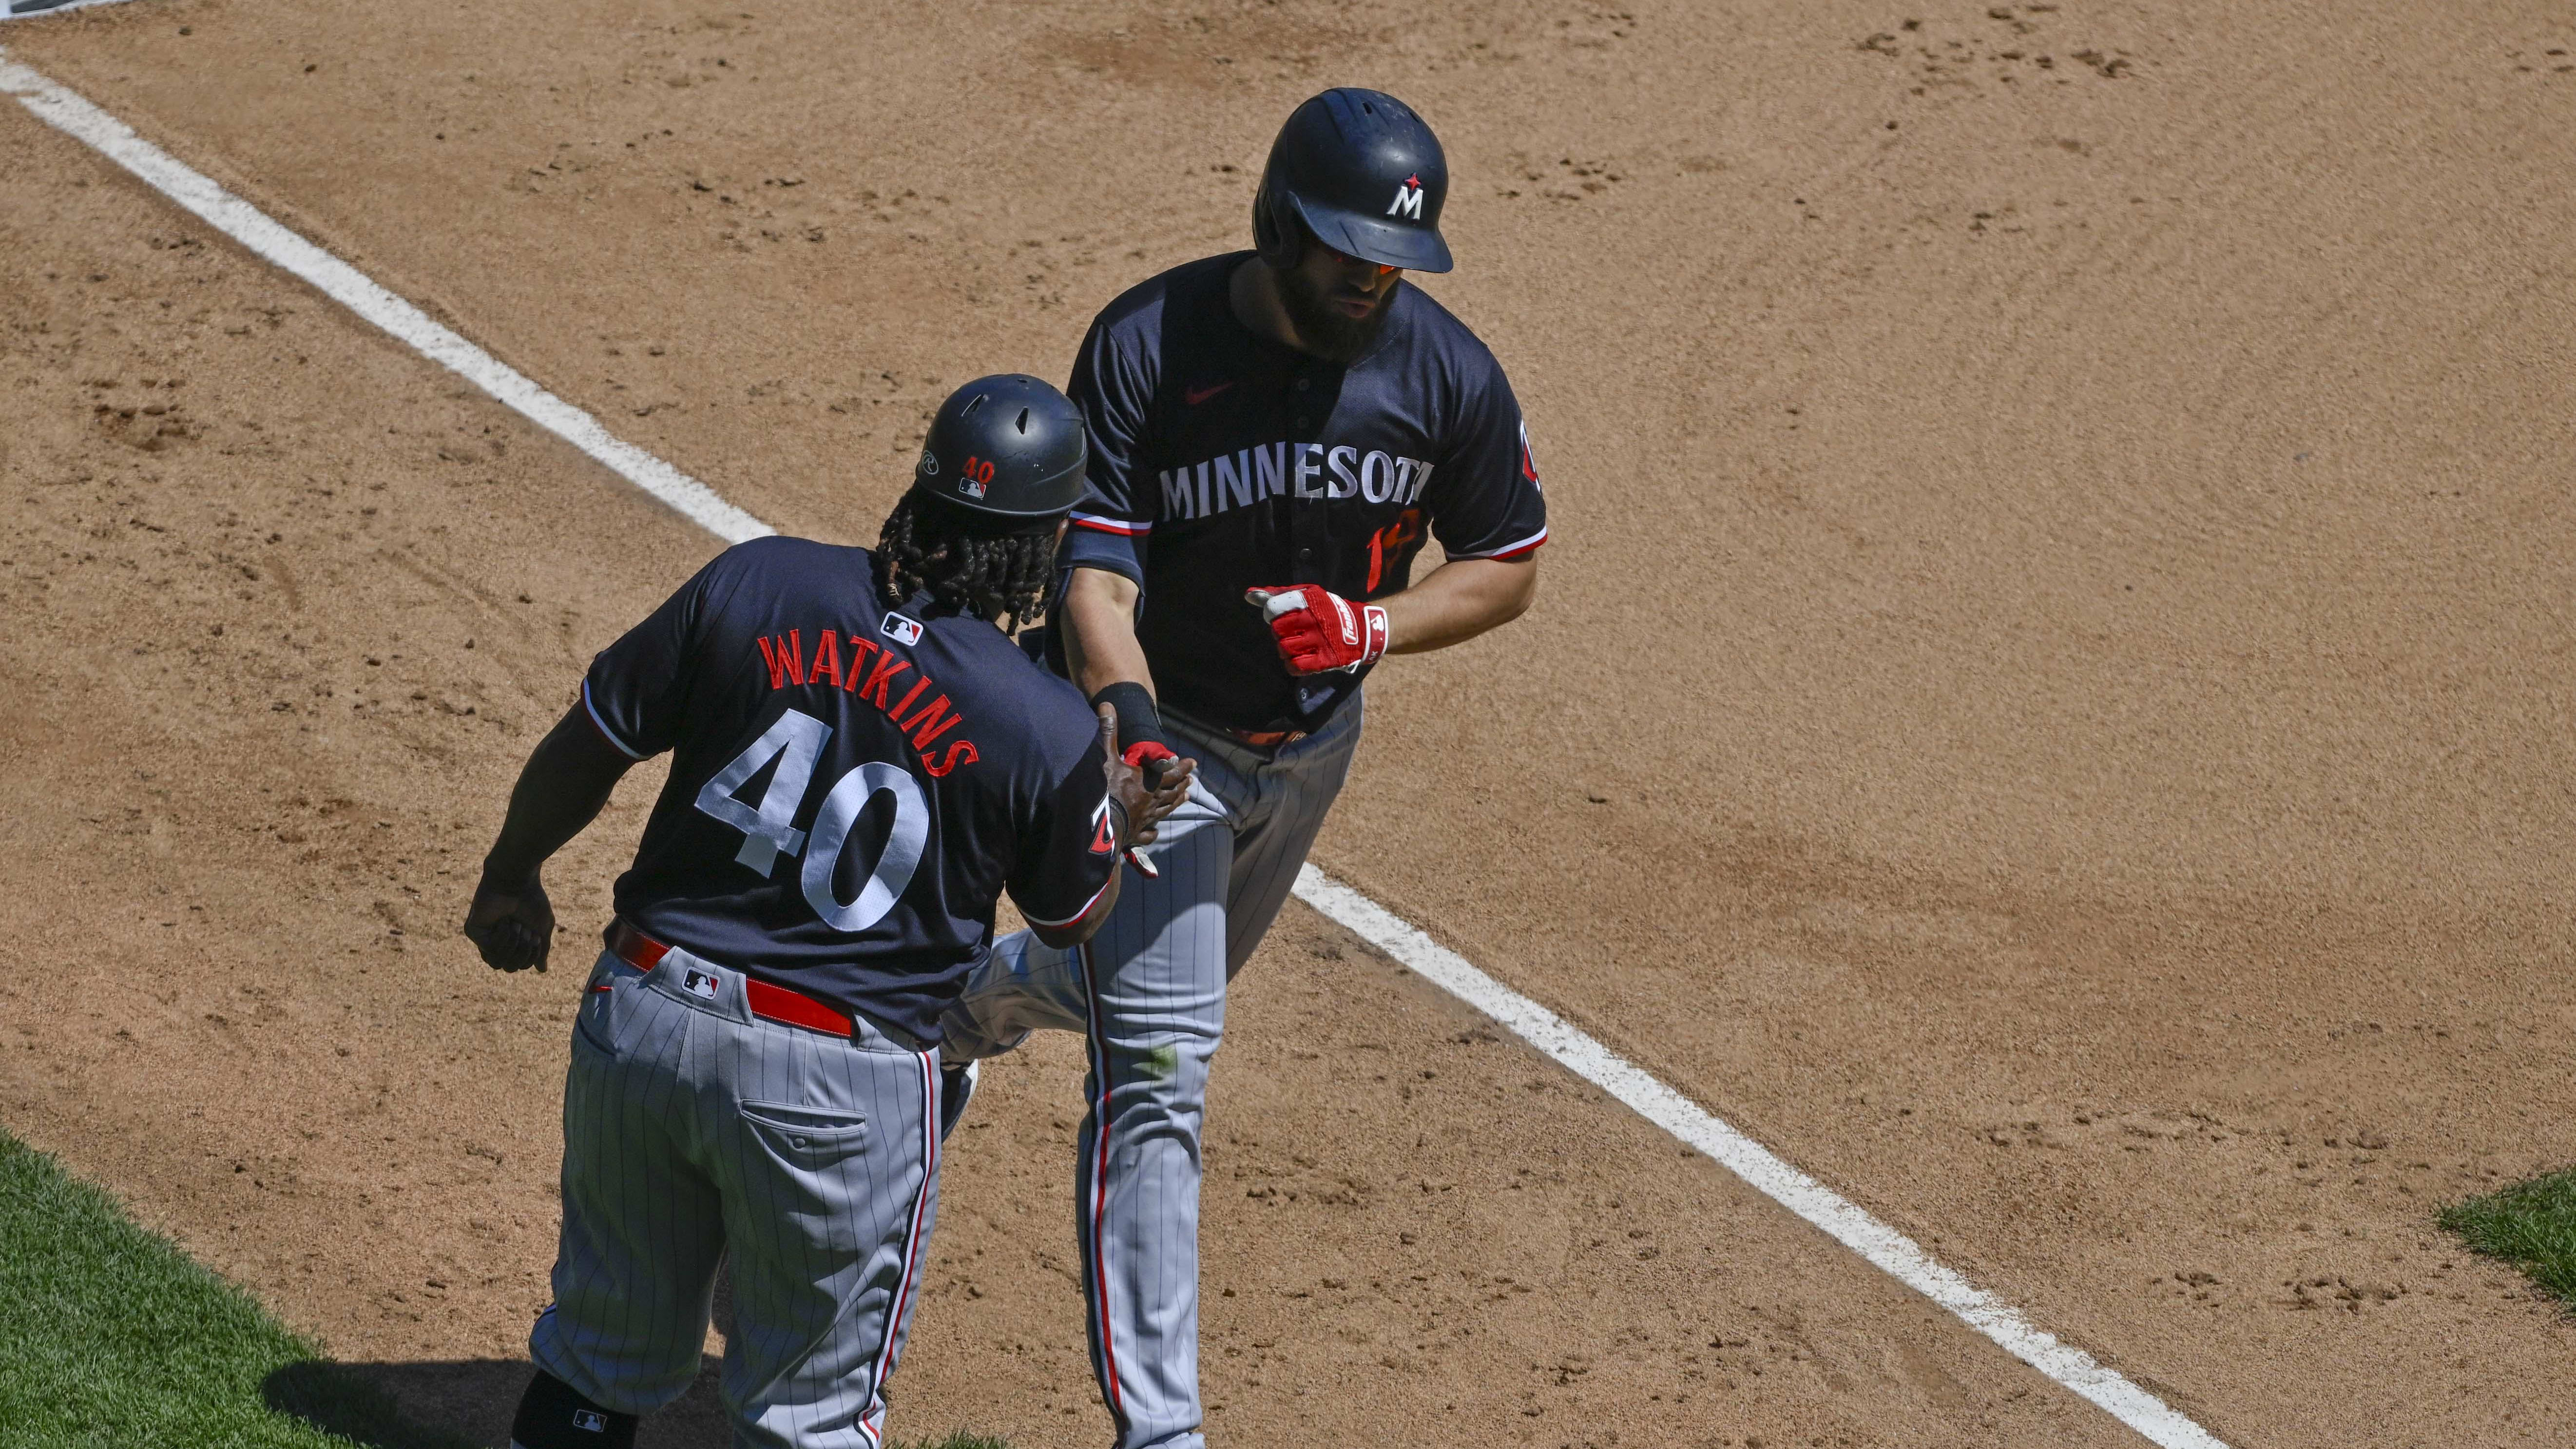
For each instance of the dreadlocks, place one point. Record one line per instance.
(996, 577)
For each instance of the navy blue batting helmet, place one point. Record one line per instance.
(1361, 173)
(1009, 447)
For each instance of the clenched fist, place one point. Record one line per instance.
(1319, 631)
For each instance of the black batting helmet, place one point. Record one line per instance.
(1008, 447)
(1364, 174)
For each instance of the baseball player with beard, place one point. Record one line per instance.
(1275, 436)
(861, 762)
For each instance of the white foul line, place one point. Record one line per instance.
(245, 223)
(1841, 1219)
(1837, 1216)
(30, 9)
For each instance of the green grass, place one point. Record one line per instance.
(109, 1336)
(2531, 1225)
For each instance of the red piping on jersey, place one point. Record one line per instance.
(1118, 526)
(1522, 549)
(1086, 905)
(601, 725)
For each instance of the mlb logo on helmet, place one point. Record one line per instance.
(590, 1419)
(901, 630)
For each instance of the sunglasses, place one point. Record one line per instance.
(1351, 261)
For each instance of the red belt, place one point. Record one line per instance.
(777, 1003)
(1268, 739)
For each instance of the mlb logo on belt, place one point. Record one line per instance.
(902, 630)
(590, 1419)
(699, 983)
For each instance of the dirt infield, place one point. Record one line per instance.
(2048, 706)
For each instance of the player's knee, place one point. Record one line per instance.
(552, 1416)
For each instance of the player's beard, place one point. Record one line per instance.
(1324, 330)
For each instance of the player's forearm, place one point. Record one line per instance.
(564, 786)
(1100, 646)
(1458, 601)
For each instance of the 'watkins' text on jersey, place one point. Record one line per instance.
(1296, 470)
(851, 786)
(784, 657)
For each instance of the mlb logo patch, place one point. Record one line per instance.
(902, 630)
(699, 983)
(591, 1419)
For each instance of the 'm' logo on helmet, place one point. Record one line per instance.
(1408, 198)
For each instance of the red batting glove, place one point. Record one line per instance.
(1320, 631)
(1150, 757)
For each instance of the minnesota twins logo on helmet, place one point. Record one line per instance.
(1360, 173)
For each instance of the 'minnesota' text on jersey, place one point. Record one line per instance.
(851, 786)
(1223, 460)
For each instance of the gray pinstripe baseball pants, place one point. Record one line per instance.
(695, 1131)
(1150, 991)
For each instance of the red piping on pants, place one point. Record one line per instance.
(1100, 1190)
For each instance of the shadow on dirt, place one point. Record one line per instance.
(456, 1404)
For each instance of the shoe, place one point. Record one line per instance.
(956, 1086)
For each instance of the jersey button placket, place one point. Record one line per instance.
(1307, 518)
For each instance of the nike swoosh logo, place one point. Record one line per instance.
(1196, 395)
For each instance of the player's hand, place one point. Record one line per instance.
(1147, 780)
(1319, 631)
(513, 926)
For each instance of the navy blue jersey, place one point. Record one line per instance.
(851, 787)
(1222, 460)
